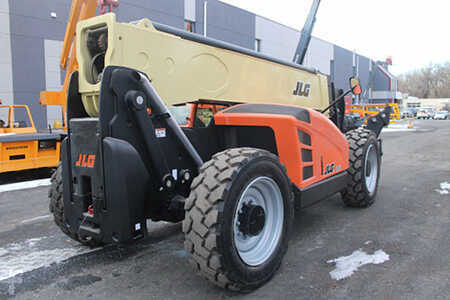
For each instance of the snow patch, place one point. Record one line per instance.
(3, 252)
(347, 265)
(18, 258)
(398, 127)
(24, 185)
(445, 188)
(36, 219)
(442, 192)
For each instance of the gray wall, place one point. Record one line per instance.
(30, 25)
(281, 41)
(6, 77)
(170, 12)
(347, 64)
(381, 81)
(276, 39)
(227, 23)
(319, 55)
(363, 71)
(343, 67)
(53, 80)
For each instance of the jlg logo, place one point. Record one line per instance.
(329, 169)
(302, 89)
(85, 161)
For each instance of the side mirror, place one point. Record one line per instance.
(355, 86)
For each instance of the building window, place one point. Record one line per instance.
(190, 26)
(257, 45)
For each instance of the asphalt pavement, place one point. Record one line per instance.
(396, 249)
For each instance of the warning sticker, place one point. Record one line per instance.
(160, 132)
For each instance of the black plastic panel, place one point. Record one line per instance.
(307, 155)
(308, 172)
(322, 189)
(297, 112)
(125, 218)
(304, 138)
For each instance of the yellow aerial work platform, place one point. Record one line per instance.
(367, 110)
(22, 147)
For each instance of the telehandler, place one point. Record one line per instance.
(266, 141)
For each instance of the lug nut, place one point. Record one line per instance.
(185, 176)
(168, 183)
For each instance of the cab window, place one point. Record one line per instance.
(205, 113)
(203, 116)
(4, 117)
(21, 119)
(181, 113)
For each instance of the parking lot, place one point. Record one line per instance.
(396, 249)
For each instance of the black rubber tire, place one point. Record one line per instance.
(56, 207)
(210, 209)
(356, 193)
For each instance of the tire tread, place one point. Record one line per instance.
(204, 208)
(354, 195)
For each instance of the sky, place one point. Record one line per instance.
(414, 33)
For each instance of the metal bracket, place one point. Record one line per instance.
(378, 121)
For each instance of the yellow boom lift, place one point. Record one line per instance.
(22, 147)
(367, 110)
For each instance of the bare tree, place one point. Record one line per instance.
(430, 82)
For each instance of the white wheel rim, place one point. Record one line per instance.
(256, 249)
(371, 169)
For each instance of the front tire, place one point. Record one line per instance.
(364, 169)
(238, 218)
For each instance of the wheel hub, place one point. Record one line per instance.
(258, 221)
(368, 168)
(371, 169)
(252, 219)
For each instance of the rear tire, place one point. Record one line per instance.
(56, 207)
(238, 218)
(364, 169)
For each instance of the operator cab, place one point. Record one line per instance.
(15, 119)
